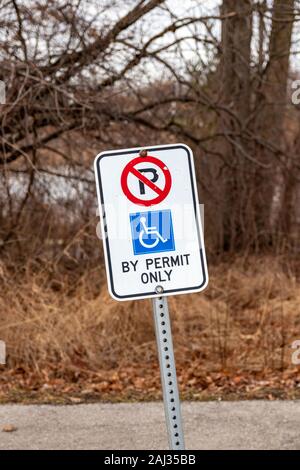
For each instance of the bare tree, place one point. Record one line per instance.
(82, 76)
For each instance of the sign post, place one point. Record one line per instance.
(153, 243)
(168, 373)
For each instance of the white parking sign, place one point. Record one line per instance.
(150, 221)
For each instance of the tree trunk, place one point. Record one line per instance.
(236, 97)
(272, 118)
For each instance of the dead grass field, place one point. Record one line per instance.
(69, 340)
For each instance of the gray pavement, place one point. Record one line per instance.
(207, 425)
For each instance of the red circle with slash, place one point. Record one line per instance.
(130, 168)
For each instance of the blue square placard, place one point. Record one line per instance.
(152, 232)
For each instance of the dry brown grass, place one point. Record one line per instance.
(246, 320)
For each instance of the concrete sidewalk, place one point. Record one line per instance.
(207, 425)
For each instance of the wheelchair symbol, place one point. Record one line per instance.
(152, 232)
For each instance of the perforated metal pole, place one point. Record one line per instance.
(168, 373)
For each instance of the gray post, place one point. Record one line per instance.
(168, 373)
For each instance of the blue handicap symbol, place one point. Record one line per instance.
(152, 232)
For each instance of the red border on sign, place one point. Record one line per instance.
(162, 193)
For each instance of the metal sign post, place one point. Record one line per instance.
(168, 373)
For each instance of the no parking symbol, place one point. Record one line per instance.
(147, 177)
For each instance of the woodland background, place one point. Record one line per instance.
(85, 76)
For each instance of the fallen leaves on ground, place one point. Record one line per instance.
(142, 382)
